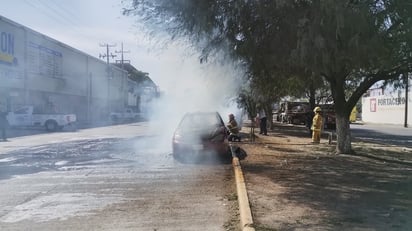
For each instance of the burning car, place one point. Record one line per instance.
(200, 134)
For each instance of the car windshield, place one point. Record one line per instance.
(200, 121)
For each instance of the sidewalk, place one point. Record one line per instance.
(295, 185)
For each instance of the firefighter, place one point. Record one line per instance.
(233, 129)
(316, 125)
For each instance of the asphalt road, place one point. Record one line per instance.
(383, 134)
(110, 178)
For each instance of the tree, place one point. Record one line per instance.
(351, 44)
(139, 77)
(246, 99)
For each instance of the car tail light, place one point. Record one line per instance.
(176, 137)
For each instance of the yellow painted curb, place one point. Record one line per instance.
(246, 220)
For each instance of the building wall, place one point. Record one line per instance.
(387, 109)
(38, 70)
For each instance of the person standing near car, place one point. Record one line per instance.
(316, 125)
(263, 122)
(3, 121)
(233, 129)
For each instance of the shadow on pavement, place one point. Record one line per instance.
(359, 193)
(319, 191)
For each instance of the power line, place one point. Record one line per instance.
(62, 17)
(44, 12)
(68, 12)
(52, 14)
(58, 11)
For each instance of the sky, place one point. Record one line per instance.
(88, 24)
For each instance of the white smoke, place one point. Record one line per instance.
(207, 87)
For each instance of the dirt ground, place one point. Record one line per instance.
(295, 185)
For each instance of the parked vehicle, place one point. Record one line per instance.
(200, 134)
(329, 115)
(293, 112)
(127, 115)
(26, 116)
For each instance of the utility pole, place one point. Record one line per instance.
(123, 77)
(122, 59)
(107, 56)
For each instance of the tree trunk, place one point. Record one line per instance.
(312, 95)
(342, 112)
(344, 145)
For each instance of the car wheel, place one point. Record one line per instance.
(51, 125)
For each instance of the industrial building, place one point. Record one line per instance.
(40, 71)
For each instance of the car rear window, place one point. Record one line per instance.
(200, 120)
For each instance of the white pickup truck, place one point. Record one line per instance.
(127, 115)
(25, 117)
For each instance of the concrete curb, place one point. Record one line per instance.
(246, 220)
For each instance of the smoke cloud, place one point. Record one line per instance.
(210, 87)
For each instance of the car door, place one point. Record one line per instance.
(21, 117)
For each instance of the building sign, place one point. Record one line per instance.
(386, 102)
(10, 67)
(7, 49)
(395, 101)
